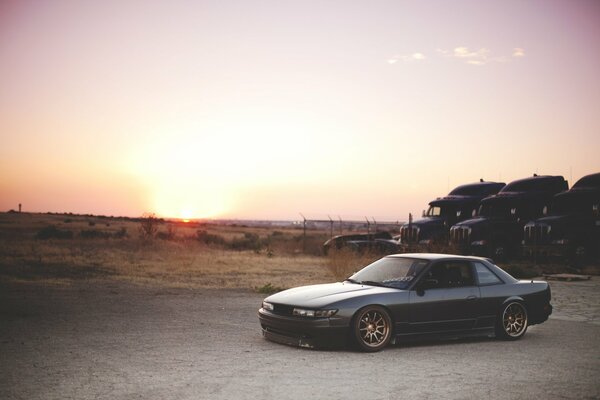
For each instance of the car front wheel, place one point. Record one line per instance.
(372, 328)
(512, 321)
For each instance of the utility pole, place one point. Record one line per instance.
(341, 225)
(303, 233)
(409, 228)
(330, 226)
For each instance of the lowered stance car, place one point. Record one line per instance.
(407, 295)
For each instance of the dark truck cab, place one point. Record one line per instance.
(497, 230)
(572, 228)
(443, 212)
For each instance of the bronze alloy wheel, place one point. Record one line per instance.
(513, 322)
(372, 328)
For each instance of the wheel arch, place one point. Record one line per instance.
(386, 308)
(512, 299)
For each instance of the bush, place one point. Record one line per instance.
(250, 241)
(52, 232)
(94, 234)
(121, 233)
(170, 234)
(208, 238)
(343, 263)
(268, 289)
(148, 226)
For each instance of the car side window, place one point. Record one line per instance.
(485, 276)
(450, 274)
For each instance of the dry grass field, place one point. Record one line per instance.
(62, 248)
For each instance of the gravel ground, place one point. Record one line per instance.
(115, 341)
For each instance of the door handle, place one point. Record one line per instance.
(471, 297)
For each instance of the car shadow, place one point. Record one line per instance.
(441, 341)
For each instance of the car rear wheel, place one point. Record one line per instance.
(372, 328)
(512, 321)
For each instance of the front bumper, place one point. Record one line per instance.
(303, 332)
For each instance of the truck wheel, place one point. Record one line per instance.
(580, 255)
(499, 252)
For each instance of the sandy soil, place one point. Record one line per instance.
(119, 341)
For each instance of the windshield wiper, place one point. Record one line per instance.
(351, 280)
(372, 283)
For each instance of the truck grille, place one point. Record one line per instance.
(537, 234)
(460, 235)
(409, 234)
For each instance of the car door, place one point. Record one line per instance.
(445, 299)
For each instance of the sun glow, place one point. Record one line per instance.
(186, 215)
(204, 178)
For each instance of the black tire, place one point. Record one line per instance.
(372, 328)
(500, 251)
(512, 321)
(579, 256)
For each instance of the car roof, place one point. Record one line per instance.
(503, 275)
(437, 256)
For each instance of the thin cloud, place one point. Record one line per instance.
(478, 57)
(518, 52)
(415, 57)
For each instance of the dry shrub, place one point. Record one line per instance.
(52, 232)
(344, 262)
(438, 247)
(148, 226)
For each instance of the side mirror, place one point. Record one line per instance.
(426, 284)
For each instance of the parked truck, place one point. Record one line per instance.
(497, 230)
(572, 227)
(443, 212)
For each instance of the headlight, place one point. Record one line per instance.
(301, 312)
(267, 306)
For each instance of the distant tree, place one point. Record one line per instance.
(148, 226)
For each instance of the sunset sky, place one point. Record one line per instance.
(265, 109)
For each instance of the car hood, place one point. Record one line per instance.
(317, 296)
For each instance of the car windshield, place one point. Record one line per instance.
(496, 209)
(395, 272)
(439, 211)
(574, 204)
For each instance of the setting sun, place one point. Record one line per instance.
(186, 215)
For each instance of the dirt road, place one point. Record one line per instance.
(115, 341)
